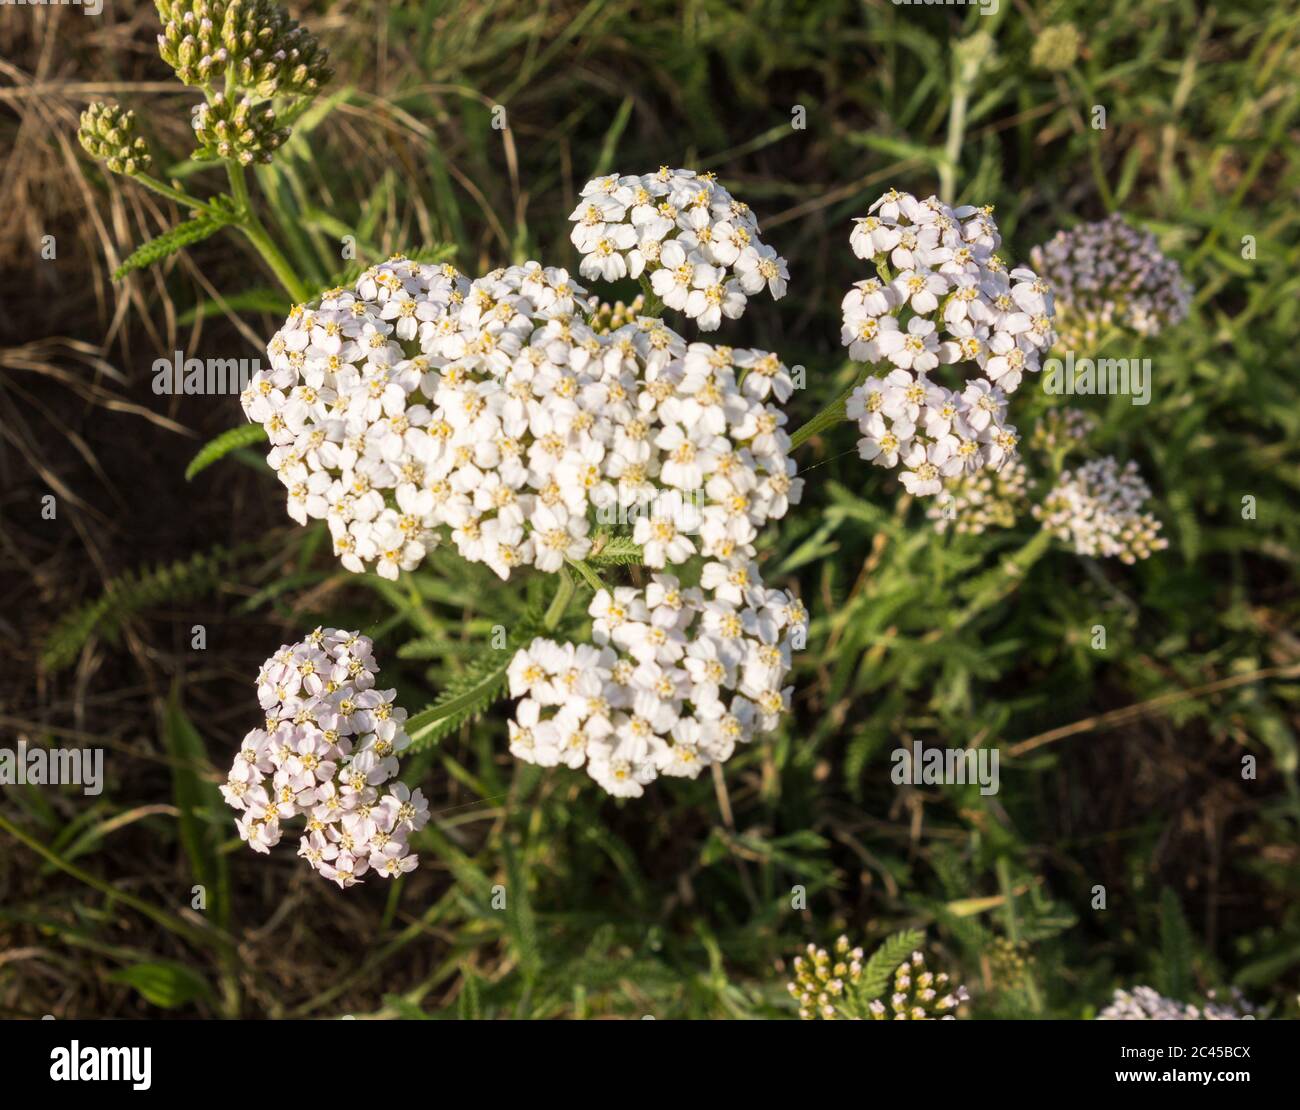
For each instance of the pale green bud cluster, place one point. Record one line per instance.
(108, 134)
(610, 317)
(254, 41)
(237, 128)
(1057, 48)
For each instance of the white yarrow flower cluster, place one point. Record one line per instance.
(1108, 274)
(328, 753)
(940, 296)
(698, 244)
(920, 994)
(1098, 510)
(418, 405)
(1146, 1004)
(988, 499)
(675, 679)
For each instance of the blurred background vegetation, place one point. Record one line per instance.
(1121, 767)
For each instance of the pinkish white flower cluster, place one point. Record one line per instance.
(1108, 274)
(328, 753)
(696, 242)
(1146, 1004)
(1098, 510)
(973, 504)
(418, 404)
(940, 296)
(676, 677)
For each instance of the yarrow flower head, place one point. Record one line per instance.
(1146, 1004)
(675, 678)
(920, 994)
(1108, 274)
(822, 980)
(831, 986)
(941, 296)
(417, 405)
(107, 133)
(1056, 48)
(1097, 510)
(250, 51)
(987, 499)
(236, 128)
(697, 244)
(328, 753)
(254, 44)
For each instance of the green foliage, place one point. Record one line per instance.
(129, 595)
(164, 246)
(245, 435)
(878, 972)
(168, 985)
(474, 691)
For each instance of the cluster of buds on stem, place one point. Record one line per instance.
(108, 134)
(242, 53)
(920, 994)
(236, 129)
(822, 980)
(252, 43)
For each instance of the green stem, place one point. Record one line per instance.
(1013, 929)
(165, 190)
(653, 305)
(560, 602)
(260, 238)
(831, 414)
(952, 151)
(1005, 579)
(588, 573)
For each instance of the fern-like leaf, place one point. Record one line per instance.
(232, 440)
(127, 595)
(615, 551)
(167, 244)
(879, 970)
(473, 692)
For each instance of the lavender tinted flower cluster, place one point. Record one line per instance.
(1109, 274)
(1098, 510)
(1147, 1004)
(328, 753)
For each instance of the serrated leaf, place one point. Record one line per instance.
(178, 238)
(221, 446)
(879, 971)
(609, 551)
(473, 693)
